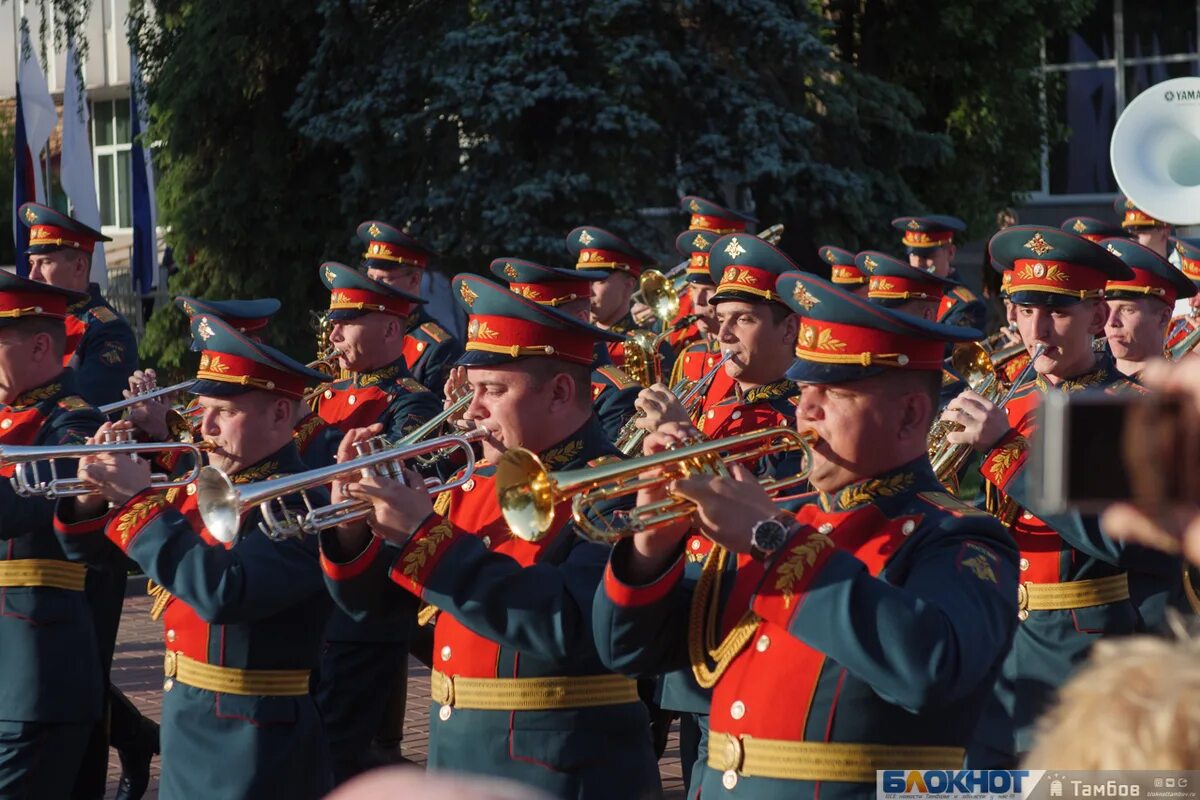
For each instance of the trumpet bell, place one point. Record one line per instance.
(1155, 151)
(526, 493)
(658, 292)
(219, 504)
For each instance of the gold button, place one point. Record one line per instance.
(736, 415)
(191, 489)
(826, 528)
(902, 359)
(908, 527)
(420, 346)
(328, 393)
(487, 541)
(469, 485)
(171, 635)
(444, 713)
(6, 424)
(351, 399)
(729, 779)
(712, 414)
(167, 684)
(1027, 515)
(1024, 564)
(695, 544)
(763, 643)
(1023, 615)
(737, 710)
(445, 652)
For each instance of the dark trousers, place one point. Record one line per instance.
(40, 759)
(352, 692)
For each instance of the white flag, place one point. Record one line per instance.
(78, 178)
(37, 106)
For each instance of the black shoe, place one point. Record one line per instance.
(135, 773)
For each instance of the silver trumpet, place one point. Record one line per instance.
(25, 459)
(690, 394)
(222, 503)
(121, 405)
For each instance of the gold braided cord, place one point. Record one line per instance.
(1081, 294)
(703, 624)
(862, 359)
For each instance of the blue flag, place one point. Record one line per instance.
(144, 257)
(23, 188)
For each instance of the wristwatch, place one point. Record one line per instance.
(770, 534)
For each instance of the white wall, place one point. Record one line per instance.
(106, 70)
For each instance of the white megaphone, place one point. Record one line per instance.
(1155, 151)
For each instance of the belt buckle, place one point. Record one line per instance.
(443, 690)
(1022, 602)
(170, 663)
(732, 753)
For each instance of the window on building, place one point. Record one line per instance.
(1120, 50)
(111, 135)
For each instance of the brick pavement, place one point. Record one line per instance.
(137, 670)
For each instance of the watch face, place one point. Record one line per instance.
(768, 535)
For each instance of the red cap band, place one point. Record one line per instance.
(847, 274)
(837, 343)
(386, 251)
(226, 368)
(60, 237)
(32, 304)
(890, 287)
(365, 300)
(555, 293)
(923, 239)
(1146, 283)
(519, 337)
(608, 259)
(1056, 277)
(702, 222)
(738, 278)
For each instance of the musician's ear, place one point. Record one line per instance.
(917, 410)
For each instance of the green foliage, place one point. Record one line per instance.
(519, 119)
(250, 205)
(972, 64)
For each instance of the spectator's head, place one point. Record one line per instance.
(1134, 705)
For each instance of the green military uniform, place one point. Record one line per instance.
(242, 620)
(517, 686)
(1074, 580)
(810, 695)
(53, 689)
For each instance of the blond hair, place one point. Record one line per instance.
(1134, 705)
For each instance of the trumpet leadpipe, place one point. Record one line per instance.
(153, 394)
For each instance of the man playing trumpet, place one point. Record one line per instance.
(861, 632)
(518, 688)
(1073, 579)
(242, 619)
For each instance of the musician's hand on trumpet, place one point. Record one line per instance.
(116, 477)
(659, 405)
(397, 508)
(149, 416)
(642, 314)
(456, 387)
(654, 549)
(727, 507)
(983, 422)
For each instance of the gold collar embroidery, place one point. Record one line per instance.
(863, 492)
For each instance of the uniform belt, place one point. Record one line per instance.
(822, 761)
(531, 694)
(231, 680)
(1071, 594)
(43, 572)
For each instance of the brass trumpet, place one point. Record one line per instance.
(659, 292)
(630, 437)
(153, 394)
(979, 371)
(222, 503)
(528, 493)
(27, 483)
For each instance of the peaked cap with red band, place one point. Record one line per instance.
(232, 364)
(388, 247)
(892, 282)
(745, 268)
(922, 234)
(842, 267)
(1052, 267)
(352, 294)
(1091, 228)
(1189, 257)
(844, 337)
(596, 248)
(503, 326)
(714, 218)
(51, 230)
(22, 298)
(548, 286)
(696, 246)
(1153, 275)
(1134, 217)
